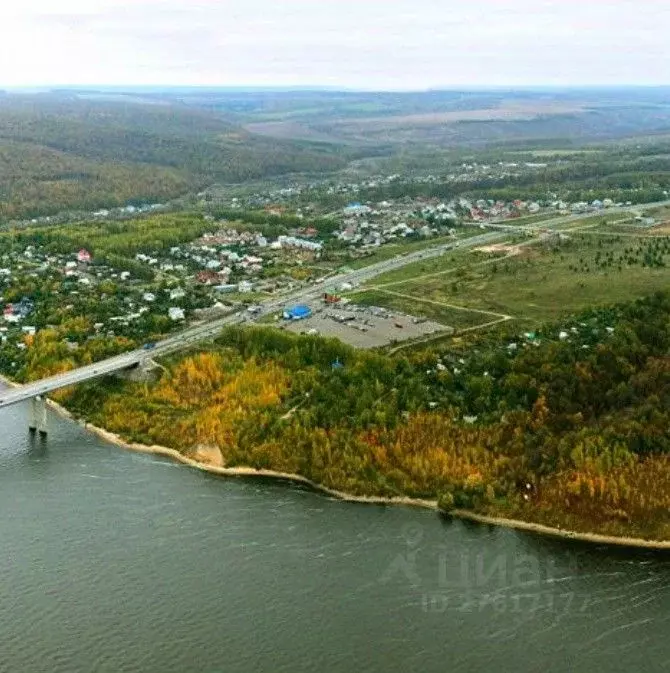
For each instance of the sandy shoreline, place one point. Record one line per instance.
(253, 472)
(537, 528)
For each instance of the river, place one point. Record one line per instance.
(120, 562)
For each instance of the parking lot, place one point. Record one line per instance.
(363, 326)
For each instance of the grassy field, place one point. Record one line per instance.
(661, 214)
(568, 224)
(540, 282)
(605, 219)
(451, 316)
(454, 263)
(625, 223)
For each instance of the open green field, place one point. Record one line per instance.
(451, 316)
(604, 220)
(453, 263)
(540, 282)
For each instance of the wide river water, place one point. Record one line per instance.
(119, 562)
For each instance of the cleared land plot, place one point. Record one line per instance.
(544, 283)
(662, 229)
(381, 326)
(501, 249)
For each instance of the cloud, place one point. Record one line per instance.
(354, 43)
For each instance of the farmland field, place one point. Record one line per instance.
(313, 124)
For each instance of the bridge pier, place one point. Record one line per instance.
(38, 420)
(144, 371)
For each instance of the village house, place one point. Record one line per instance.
(208, 277)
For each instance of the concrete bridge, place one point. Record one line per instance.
(36, 391)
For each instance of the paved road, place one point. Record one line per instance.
(199, 333)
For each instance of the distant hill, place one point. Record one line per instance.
(60, 151)
(95, 148)
(456, 119)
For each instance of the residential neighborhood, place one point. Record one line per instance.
(262, 244)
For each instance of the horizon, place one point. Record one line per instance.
(322, 88)
(343, 44)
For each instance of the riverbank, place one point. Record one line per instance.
(253, 472)
(378, 500)
(242, 472)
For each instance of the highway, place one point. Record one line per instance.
(201, 332)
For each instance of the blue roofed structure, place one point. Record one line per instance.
(298, 312)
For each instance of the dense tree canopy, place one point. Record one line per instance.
(563, 431)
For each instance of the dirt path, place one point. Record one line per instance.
(442, 335)
(455, 307)
(505, 318)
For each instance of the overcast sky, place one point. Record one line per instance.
(373, 44)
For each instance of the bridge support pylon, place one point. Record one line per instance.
(38, 420)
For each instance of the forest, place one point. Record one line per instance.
(566, 432)
(58, 152)
(120, 238)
